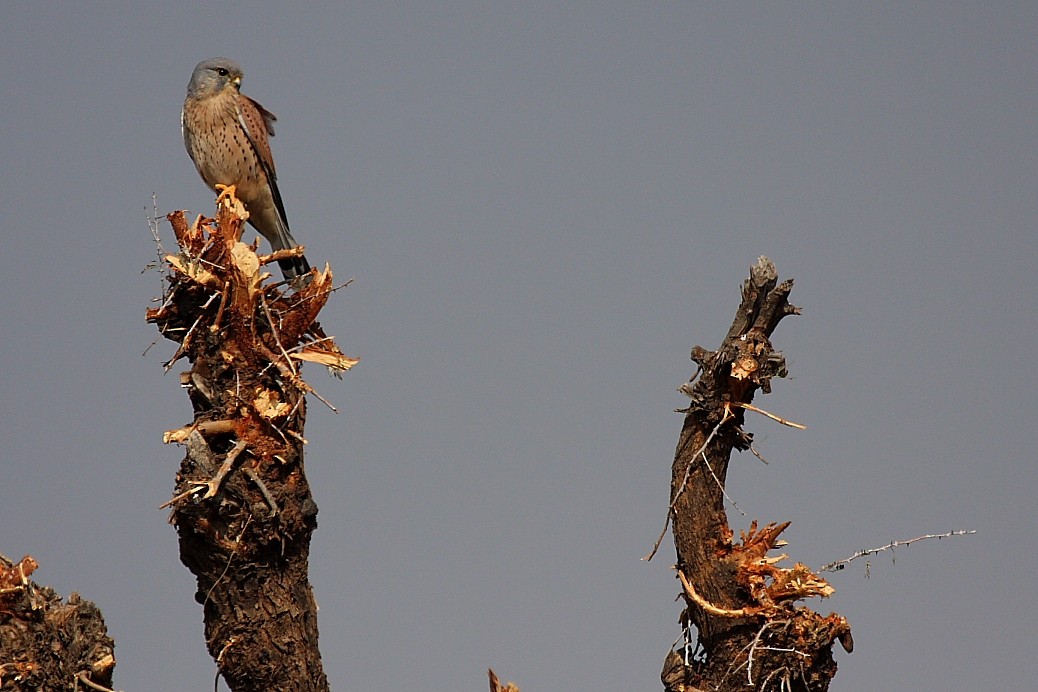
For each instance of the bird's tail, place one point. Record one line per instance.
(292, 266)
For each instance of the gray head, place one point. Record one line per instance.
(213, 76)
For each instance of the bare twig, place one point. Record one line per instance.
(183, 347)
(277, 335)
(784, 683)
(753, 646)
(709, 607)
(305, 344)
(227, 567)
(321, 398)
(684, 481)
(720, 484)
(840, 564)
(212, 485)
(230, 642)
(187, 337)
(84, 678)
(326, 292)
(209, 427)
(153, 226)
(757, 454)
(772, 416)
(254, 477)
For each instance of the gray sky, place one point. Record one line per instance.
(545, 207)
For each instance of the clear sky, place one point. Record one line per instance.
(544, 207)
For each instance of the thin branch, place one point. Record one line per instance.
(772, 416)
(84, 678)
(254, 477)
(153, 226)
(185, 342)
(325, 292)
(720, 484)
(753, 646)
(684, 481)
(230, 558)
(783, 683)
(300, 346)
(320, 398)
(212, 485)
(709, 607)
(840, 564)
(276, 333)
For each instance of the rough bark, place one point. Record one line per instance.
(46, 644)
(242, 505)
(751, 635)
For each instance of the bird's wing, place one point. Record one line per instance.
(268, 118)
(258, 123)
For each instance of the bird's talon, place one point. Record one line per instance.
(227, 192)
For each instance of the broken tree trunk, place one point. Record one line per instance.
(46, 644)
(242, 505)
(751, 635)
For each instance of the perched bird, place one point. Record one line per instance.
(227, 136)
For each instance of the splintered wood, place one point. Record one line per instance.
(242, 505)
(280, 325)
(742, 605)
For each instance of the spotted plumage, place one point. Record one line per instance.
(227, 135)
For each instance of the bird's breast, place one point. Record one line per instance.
(219, 147)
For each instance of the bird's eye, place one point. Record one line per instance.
(222, 72)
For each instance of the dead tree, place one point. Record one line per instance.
(46, 644)
(738, 597)
(242, 506)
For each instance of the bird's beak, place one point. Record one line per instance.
(237, 82)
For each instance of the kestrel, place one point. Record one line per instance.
(227, 136)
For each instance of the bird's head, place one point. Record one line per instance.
(213, 76)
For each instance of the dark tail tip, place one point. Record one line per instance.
(293, 267)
